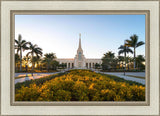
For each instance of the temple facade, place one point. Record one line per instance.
(79, 61)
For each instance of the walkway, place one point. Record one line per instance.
(121, 75)
(29, 77)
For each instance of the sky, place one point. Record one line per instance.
(99, 33)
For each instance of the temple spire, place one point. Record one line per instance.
(80, 41)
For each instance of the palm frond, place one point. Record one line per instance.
(129, 45)
(16, 41)
(121, 52)
(139, 43)
(129, 50)
(28, 53)
(19, 37)
(121, 47)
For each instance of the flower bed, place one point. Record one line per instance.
(82, 85)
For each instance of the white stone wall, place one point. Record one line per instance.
(69, 61)
(91, 62)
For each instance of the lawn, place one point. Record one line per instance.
(136, 76)
(80, 85)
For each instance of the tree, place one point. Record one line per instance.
(128, 61)
(64, 65)
(21, 45)
(97, 66)
(35, 60)
(107, 60)
(114, 63)
(54, 64)
(133, 42)
(124, 49)
(26, 60)
(120, 60)
(34, 50)
(38, 62)
(139, 62)
(49, 57)
(17, 59)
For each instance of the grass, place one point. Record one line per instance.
(136, 76)
(122, 70)
(118, 79)
(37, 81)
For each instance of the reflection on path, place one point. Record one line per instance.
(142, 81)
(28, 76)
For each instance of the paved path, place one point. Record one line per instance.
(24, 74)
(121, 75)
(140, 74)
(35, 76)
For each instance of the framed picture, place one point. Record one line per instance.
(79, 57)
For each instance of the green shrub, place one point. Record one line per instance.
(80, 85)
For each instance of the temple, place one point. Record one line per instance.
(79, 61)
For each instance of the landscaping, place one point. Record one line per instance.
(79, 85)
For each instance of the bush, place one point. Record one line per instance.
(37, 81)
(30, 93)
(80, 92)
(62, 95)
(80, 85)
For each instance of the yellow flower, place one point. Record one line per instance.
(91, 86)
(123, 85)
(104, 91)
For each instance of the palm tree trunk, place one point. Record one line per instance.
(38, 65)
(48, 68)
(125, 62)
(134, 57)
(16, 66)
(21, 59)
(32, 64)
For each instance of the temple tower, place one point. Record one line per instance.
(79, 58)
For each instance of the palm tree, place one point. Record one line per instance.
(34, 61)
(120, 59)
(139, 61)
(128, 62)
(26, 61)
(34, 50)
(124, 49)
(114, 63)
(54, 64)
(38, 62)
(17, 59)
(107, 60)
(133, 42)
(49, 57)
(20, 45)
